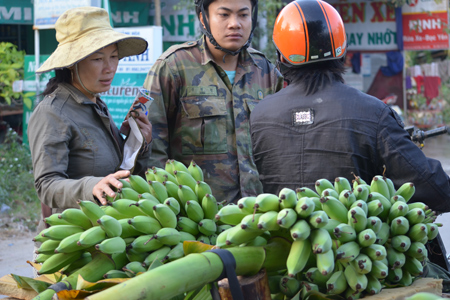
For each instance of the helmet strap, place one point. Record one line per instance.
(81, 83)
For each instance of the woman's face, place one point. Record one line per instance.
(230, 22)
(97, 71)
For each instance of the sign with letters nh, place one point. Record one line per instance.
(424, 25)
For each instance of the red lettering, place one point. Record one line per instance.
(378, 14)
(358, 12)
(343, 8)
(390, 13)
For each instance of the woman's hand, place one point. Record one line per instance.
(143, 123)
(104, 186)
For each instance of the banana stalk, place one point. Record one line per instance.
(92, 272)
(195, 270)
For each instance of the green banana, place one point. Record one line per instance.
(306, 192)
(337, 283)
(413, 266)
(127, 207)
(361, 204)
(133, 255)
(110, 225)
(347, 252)
(172, 190)
(342, 183)
(145, 243)
(165, 215)
(173, 204)
(125, 183)
(406, 279)
(48, 247)
(357, 218)
(323, 184)
(300, 230)
(386, 204)
(286, 217)
(329, 192)
(186, 236)
(362, 264)
(366, 237)
(58, 261)
(307, 289)
(159, 254)
(91, 210)
(325, 262)
(187, 225)
(145, 224)
(373, 285)
(347, 198)
(397, 198)
(209, 206)
(305, 207)
(112, 212)
(289, 286)
(375, 252)
(356, 281)
(59, 232)
(267, 202)
(247, 204)
(318, 219)
(257, 241)
(379, 269)
(288, 198)
(55, 220)
(398, 209)
(374, 223)
(112, 274)
(331, 225)
(378, 185)
(112, 245)
(238, 236)
(134, 268)
(424, 296)
(202, 189)
(195, 171)
(406, 190)
(345, 233)
(421, 205)
(401, 243)
(417, 232)
(207, 227)
(158, 189)
(394, 275)
(175, 253)
(230, 214)
(69, 244)
(168, 236)
(128, 193)
(417, 250)
(91, 236)
(185, 178)
(415, 215)
(41, 257)
(146, 206)
(128, 230)
(179, 166)
(395, 258)
(298, 256)
(85, 258)
(194, 211)
(185, 194)
(76, 217)
(320, 240)
(268, 221)
(383, 234)
(400, 226)
(362, 192)
(204, 239)
(139, 184)
(390, 185)
(315, 276)
(374, 208)
(334, 208)
(162, 175)
(433, 230)
(149, 175)
(169, 166)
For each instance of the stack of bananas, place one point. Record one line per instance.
(348, 239)
(148, 219)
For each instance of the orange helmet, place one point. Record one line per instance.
(309, 31)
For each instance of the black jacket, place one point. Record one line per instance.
(298, 139)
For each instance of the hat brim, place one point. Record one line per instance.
(68, 54)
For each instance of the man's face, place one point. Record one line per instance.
(230, 22)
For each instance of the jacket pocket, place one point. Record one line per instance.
(203, 129)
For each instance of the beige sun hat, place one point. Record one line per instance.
(82, 31)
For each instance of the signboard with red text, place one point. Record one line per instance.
(424, 25)
(370, 25)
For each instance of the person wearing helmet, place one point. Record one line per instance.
(319, 127)
(203, 94)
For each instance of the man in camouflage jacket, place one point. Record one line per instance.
(199, 114)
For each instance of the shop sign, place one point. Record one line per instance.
(16, 12)
(425, 25)
(370, 25)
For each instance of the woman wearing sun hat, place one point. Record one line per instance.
(75, 147)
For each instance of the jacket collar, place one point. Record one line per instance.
(245, 59)
(76, 94)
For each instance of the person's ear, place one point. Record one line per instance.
(201, 19)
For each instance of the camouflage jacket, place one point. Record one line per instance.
(198, 114)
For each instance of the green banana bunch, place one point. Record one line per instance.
(168, 236)
(76, 217)
(91, 210)
(207, 227)
(269, 221)
(159, 254)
